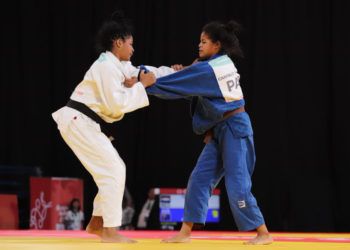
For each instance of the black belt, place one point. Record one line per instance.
(81, 107)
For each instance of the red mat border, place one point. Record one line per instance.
(204, 235)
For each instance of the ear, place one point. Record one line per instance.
(118, 42)
(217, 45)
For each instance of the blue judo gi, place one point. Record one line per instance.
(214, 84)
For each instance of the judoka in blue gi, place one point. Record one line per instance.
(218, 111)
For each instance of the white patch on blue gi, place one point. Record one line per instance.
(227, 77)
(241, 204)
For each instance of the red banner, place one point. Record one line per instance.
(49, 200)
(8, 211)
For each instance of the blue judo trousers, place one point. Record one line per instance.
(230, 153)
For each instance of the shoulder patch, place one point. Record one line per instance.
(228, 78)
(102, 58)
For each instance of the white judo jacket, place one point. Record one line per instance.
(103, 91)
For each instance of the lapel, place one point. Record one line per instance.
(118, 64)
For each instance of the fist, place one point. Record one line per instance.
(129, 82)
(177, 67)
(147, 79)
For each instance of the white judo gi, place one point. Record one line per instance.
(102, 90)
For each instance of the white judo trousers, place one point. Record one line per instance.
(102, 90)
(97, 154)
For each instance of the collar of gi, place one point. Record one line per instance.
(115, 60)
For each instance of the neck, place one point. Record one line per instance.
(115, 53)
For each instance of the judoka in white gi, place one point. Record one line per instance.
(102, 97)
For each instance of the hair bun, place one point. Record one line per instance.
(118, 16)
(233, 26)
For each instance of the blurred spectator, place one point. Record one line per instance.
(128, 210)
(74, 218)
(149, 215)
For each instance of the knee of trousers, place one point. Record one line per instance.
(199, 179)
(195, 187)
(111, 181)
(116, 181)
(111, 194)
(112, 170)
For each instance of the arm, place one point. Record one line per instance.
(160, 71)
(114, 95)
(213, 79)
(157, 71)
(195, 80)
(138, 74)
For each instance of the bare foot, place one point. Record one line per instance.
(117, 239)
(260, 239)
(97, 232)
(178, 238)
(95, 226)
(110, 235)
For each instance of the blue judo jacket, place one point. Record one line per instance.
(213, 83)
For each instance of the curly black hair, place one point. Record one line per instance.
(226, 34)
(117, 27)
